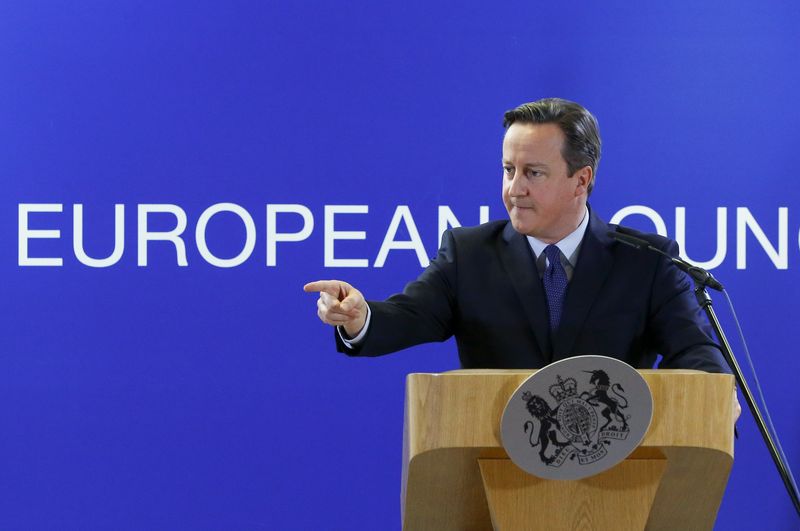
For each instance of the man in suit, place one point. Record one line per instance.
(547, 284)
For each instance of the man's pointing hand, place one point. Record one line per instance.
(339, 304)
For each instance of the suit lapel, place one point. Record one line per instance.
(590, 273)
(517, 258)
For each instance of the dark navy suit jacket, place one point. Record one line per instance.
(484, 288)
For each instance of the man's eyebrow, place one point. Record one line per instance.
(530, 164)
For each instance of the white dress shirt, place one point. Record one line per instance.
(570, 247)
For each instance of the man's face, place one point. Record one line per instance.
(542, 200)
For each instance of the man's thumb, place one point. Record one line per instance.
(349, 302)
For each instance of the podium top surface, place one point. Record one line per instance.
(528, 372)
(463, 408)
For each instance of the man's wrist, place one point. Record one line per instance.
(353, 341)
(353, 334)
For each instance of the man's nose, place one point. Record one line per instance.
(518, 186)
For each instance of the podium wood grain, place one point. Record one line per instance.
(619, 498)
(453, 421)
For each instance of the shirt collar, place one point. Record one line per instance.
(569, 245)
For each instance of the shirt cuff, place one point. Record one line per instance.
(355, 341)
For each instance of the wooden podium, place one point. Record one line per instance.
(457, 476)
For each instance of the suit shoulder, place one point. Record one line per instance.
(471, 246)
(486, 231)
(472, 240)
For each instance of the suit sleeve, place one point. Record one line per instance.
(677, 325)
(422, 313)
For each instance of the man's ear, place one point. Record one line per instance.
(584, 177)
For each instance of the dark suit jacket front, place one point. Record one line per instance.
(484, 288)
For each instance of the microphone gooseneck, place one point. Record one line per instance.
(700, 275)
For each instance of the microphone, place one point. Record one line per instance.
(700, 275)
(704, 279)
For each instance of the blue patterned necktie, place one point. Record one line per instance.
(555, 284)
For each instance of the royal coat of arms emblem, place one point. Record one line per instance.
(577, 417)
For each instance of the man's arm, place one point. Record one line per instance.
(683, 334)
(677, 326)
(421, 314)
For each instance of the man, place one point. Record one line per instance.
(547, 284)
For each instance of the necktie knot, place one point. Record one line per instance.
(553, 253)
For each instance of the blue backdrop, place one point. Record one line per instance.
(148, 394)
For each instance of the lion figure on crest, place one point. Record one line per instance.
(548, 426)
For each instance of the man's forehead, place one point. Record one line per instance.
(543, 139)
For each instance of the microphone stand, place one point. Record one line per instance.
(705, 302)
(703, 279)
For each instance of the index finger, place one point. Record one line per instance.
(328, 286)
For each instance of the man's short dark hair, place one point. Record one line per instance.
(581, 134)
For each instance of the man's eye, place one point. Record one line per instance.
(534, 173)
(508, 170)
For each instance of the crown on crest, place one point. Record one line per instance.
(563, 389)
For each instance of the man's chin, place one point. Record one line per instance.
(521, 227)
